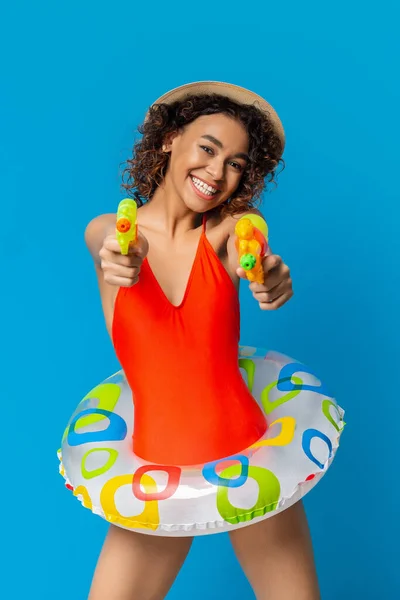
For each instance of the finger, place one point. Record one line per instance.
(279, 274)
(116, 258)
(270, 262)
(110, 243)
(269, 295)
(277, 303)
(258, 288)
(120, 281)
(119, 271)
(241, 273)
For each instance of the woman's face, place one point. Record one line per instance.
(207, 161)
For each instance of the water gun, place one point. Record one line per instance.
(252, 245)
(126, 228)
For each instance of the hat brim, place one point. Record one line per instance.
(233, 92)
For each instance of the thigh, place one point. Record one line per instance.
(277, 558)
(134, 565)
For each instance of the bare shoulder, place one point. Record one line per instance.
(97, 229)
(99, 225)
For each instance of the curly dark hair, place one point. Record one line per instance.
(146, 169)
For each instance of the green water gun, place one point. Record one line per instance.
(126, 227)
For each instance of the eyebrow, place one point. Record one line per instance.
(214, 140)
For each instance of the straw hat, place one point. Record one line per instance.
(233, 92)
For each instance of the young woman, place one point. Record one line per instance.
(171, 307)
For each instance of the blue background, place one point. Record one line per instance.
(76, 79)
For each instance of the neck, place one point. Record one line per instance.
(170, 213)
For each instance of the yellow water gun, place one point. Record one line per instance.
(126, 227)
(252, 245)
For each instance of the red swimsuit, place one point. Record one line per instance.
(191, 403)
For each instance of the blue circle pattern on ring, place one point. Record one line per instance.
(285, 383)
(212, 477)
(116, 430)
(308, 436)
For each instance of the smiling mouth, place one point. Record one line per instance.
(203, 188)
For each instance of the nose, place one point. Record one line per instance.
(216, 169)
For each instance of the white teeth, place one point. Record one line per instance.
(203, 187)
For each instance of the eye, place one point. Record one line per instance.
(236, 165)
(207, 149)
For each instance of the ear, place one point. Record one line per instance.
(168, 141)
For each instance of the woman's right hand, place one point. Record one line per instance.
(118, 269)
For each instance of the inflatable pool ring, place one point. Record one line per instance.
(305, 425)
(100, 467)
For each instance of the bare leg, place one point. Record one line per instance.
(277, 558)
(134, 566)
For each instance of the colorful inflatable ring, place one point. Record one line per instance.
(305, 424)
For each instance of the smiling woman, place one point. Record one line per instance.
(196, 435)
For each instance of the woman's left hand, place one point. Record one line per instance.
(277, 287)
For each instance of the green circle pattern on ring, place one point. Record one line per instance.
(269, 491)
(112, 457)
(107, 395)
(326, 406)
(268, 405)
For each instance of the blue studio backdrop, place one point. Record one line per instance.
(76, 79)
